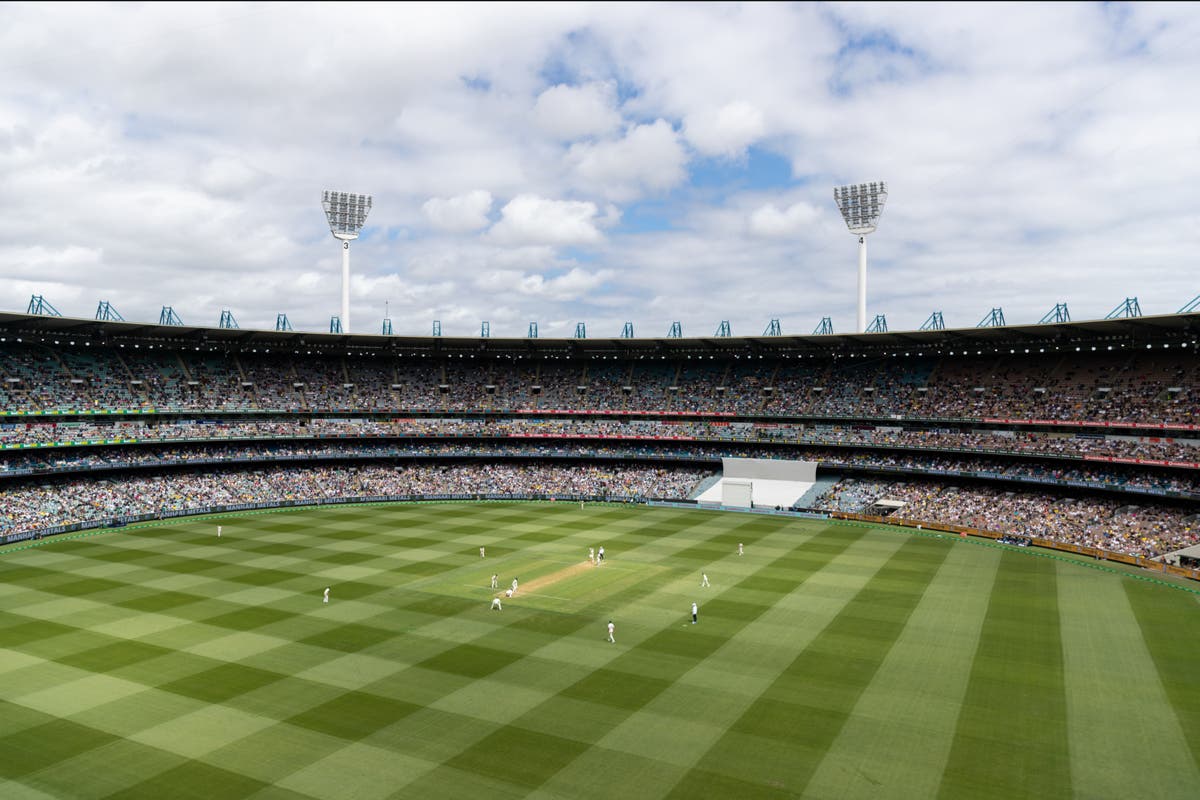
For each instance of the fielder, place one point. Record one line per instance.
(611, 628)
(218, 531)
(514, 588)
(739, 548)
(496, 604)
(591, 555)
(495, 583)
(600, 556)
(481, 552)
(326, 598)
(703, 579)
(694, 610)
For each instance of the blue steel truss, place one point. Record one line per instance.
(107, 313)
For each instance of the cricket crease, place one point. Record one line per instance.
(554, 577)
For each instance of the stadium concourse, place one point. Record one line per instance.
(1082, 433)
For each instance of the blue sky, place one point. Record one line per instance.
(598, 163)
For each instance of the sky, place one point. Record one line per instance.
(600, 164)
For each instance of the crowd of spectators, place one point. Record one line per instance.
(1092, 474)
(203, 392)
(32, 507)
(1148, 387)
(1065, 445)
(1116, 525)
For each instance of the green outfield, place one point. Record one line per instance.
(831, 660)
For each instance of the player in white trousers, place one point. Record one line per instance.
(703, 579)
(496, 604)
(591, 555)
(481, 552)
(739, 548)
(326, 598)
(694, 611)
(218, 531)
(495, 583)
(514, 588)
(611, 628)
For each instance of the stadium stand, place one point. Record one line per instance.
(1052, 432)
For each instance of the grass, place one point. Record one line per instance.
(831, 660)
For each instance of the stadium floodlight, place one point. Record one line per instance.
(861, 204)
(346, 214)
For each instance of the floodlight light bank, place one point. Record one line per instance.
(861, 204)
(346, 214)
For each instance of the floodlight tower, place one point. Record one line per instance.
(861, 205)
(346, 214)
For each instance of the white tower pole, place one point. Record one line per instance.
(346, 213)
(861, 205)
(862, 284)
(345, 287)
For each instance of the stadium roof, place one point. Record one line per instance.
(1148, 329)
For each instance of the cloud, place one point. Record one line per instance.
(229, 176)
(573, 285)
(770, 221)
(648, 158)
(529, 219)
(1035, 154)
(466, 212)
(725, 131)
(575, 112)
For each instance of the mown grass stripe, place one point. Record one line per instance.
(702, 698)
(898, 738)
(779, 741)
(598, 702)
(1170, 625)
(1111, 706)
(413, 672)
(1011, 739)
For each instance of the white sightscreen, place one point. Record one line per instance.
(739, 494)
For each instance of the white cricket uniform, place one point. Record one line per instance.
(704, 579)
(496, 603)
(694, 610)
(326, 600)
(611, 628)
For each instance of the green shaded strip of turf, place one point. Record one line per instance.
(778, 743)
(1011, 739)
(1114, 704)
(676, 727)
(898, 739)
(608, 695)
(1170, 625)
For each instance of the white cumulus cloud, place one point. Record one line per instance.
(725, 131)
(530, 219)
(459, 214)
(569, 286)
(647, 158)
(770, 221)
(574, 112)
